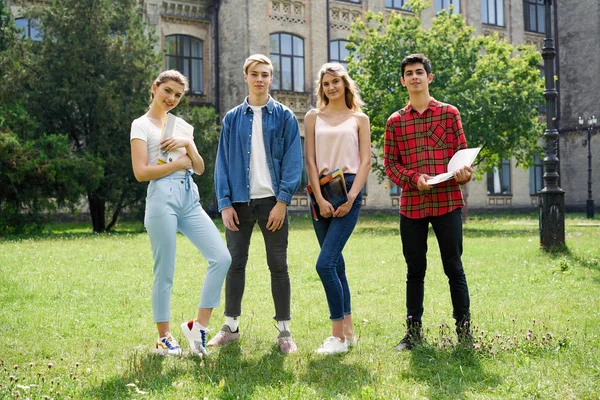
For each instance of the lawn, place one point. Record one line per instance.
(76, 322)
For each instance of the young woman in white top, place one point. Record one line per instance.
(337, 136)
(173, 204)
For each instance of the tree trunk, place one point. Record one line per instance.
(97, 212)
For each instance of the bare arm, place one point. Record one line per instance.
(364, 148)
(310, 155)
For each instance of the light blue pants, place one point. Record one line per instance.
(173, 204)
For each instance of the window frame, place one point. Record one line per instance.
(496, 8)
(25, 31)
(181, 59)
(501, 175)
(276, 58)
(395, 7)
(536, 176)
(438, 5)
(539, 9)
(338, 42)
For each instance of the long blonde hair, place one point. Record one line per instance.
(353, 100)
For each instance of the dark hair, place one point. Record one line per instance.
(416, 58)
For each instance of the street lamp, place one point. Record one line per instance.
(552, 197)
(588, 142)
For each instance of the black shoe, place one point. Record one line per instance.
(464, 334)
(412, 338)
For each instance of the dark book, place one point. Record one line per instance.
(333, 189)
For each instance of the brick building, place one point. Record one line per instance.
(209, 40)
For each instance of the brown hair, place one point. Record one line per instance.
(170, 75)
(351, 95)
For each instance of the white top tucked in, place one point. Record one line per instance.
(260, 178)
(337, 146)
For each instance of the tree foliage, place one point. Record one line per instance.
(88, 78)
(496, 86)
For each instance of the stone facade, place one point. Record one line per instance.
(231, 30)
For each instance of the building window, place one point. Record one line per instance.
(536, 176)
(287, 55)
(184, 53)
(498, 180)
(352, 1)
(492, 12)
(396, 4)
(29, 29)
(445, 4)
(338, 52)
(534, 13)
(395, 190)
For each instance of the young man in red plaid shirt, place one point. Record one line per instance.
(420, 140)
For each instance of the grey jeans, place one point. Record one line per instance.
(276, 244)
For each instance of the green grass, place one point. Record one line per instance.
(76, 321)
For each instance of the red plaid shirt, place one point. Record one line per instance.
(424, 143)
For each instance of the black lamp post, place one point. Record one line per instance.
(552, 197)
(590, 132)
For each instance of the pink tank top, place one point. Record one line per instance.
(337, 146)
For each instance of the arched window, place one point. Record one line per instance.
(184, 53)
(29, 29)
(287, 55)
(338, 52)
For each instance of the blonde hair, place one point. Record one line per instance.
(170, 75)
(257, 59)
(353, 100)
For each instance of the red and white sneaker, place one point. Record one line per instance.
(196, 337)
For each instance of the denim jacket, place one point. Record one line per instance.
(282, 147)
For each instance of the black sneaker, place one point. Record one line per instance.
(464, 334)
(412, 337)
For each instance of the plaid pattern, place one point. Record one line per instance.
(424, 143)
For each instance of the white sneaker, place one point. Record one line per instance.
(167, 346)
(332, 345)
(196, 337)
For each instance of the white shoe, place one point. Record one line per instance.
(332, 345)
(167, 346)
(196, 337)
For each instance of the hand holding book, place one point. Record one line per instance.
(333, 190)
(176, 128)
(458, 161)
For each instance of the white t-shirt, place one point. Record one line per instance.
(143, 128)
(260, 178)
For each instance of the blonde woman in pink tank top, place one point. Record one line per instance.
(337, 135)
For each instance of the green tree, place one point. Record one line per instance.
(89, 77)
(496, 86)
(206, 137)
(38, 172)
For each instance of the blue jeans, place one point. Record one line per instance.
(173, 204)
(448, 231)
(332, 234)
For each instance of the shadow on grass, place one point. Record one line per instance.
(467, 232)
(239, 378)
(566, 259)
(331, 377)
(449, 374)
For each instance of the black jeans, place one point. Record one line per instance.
(448, 231)
(276, 244)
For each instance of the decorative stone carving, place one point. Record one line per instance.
(297, 102)
(288, 11)
(536, 39)
(186, 12)
(501, 31)
(342, 18)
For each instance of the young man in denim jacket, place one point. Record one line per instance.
(257, 171)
